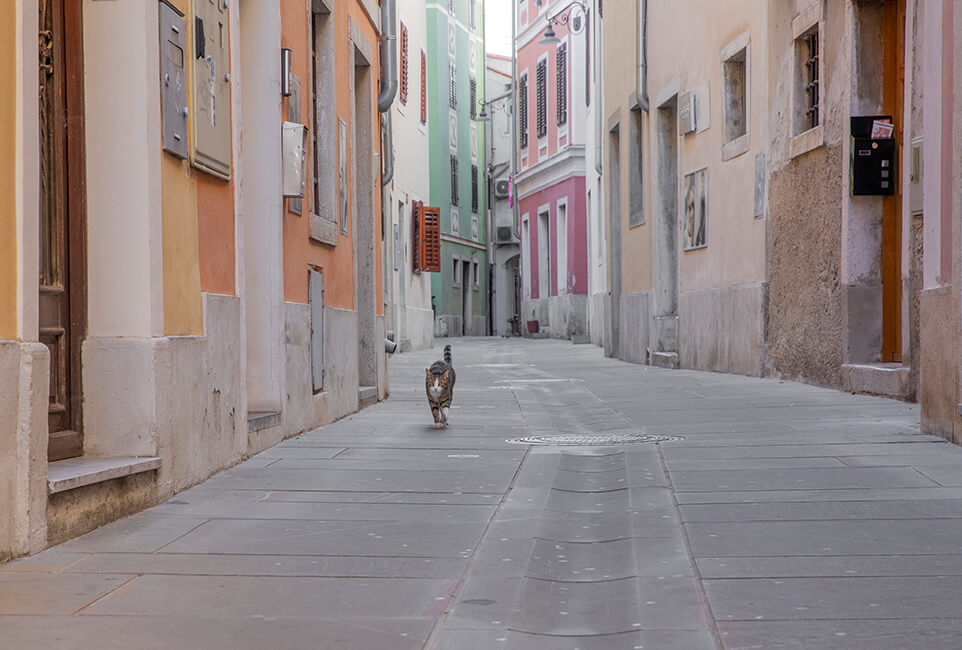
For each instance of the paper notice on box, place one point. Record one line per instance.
(881, 130)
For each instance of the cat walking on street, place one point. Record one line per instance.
(439, 383)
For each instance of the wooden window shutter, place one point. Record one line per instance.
(474, 98)
(523, 112)
(542, 98)
(404, 64)
(562, 68)
(424, 88)
(431, 241)
(417, 240)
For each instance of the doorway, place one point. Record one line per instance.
(613, 342)
(665, 335)
(468, 269)
(62, 299)
(362, 159)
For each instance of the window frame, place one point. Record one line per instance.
(738, 51)
(808, 22)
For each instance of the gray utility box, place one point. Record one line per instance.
(173, 81)
(873, 159)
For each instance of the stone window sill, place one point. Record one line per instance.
(807, 141)
(736, 147)
(63, 475)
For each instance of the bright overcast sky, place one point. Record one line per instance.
(497, 26)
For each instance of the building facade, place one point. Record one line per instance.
(455, 60)
(408, 290)
(505, 231)
(188, 274)
(551, 186)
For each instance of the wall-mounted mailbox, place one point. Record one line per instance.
(294, 147)
(687, 117)
(173, 80)
(211, 97)
(873, 159)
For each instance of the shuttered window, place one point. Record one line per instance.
(474, 188)
(523, 110)
(454, 179)
(474, 98)
(562, 86)
(403, 90)
(426, 237)
(452, 86)
(542, 98)
(424, 88)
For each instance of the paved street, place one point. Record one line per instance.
(788, 516)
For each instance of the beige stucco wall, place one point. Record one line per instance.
(8, 177)
(686, 38)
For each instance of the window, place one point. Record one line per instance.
(315, 292)
(452, 86)
(323, 133)
(809, 57)
(544, 255)
(523, 110)
(562, 67)
(736, 95)
(562, 253)
(476, 275)
(403, 90)
(424, 88)
(474, 188)
(454, 179)
(542, 97)
(636, 197)
(471, 17)
(456, 272)
(426, 238)
(474, 98)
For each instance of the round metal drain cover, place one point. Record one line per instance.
(593, 440)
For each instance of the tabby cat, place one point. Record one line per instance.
(439, 383)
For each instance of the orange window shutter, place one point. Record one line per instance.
(432, 240)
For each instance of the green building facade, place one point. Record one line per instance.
(455, 62)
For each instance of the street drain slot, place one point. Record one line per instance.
(593, 440)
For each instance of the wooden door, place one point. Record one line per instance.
(62, 264)
(893, 39)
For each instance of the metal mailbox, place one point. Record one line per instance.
(294, 155)
(873, 159)
(173, 80)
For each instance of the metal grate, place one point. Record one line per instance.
(593, 439)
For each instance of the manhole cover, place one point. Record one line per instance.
(593, 440)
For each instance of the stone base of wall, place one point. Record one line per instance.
(24, 389)
(598, 318)
(633, 336)
(81, 510)
(723, 329)
(451, 325)
(559, 317)
(939, 371)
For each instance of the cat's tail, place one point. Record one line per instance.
(447, 354)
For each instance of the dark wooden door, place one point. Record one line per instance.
(62, 263)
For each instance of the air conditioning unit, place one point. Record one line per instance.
(505, 235)
(686, 113)
(502, 189)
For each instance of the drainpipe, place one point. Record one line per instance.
(388, 84)
(599, 96)
(642, 55)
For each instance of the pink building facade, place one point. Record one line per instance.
(551, 108)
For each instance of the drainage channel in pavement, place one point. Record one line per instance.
(593, 440)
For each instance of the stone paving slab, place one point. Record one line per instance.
(54, 594)
(899, 634)
(843, 566)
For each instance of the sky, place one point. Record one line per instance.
(497, 26)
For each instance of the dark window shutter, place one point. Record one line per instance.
(562, 83)
(454, 179)
(523, 110)
(542, 98)
(474, 188)
(417, 236)
(452, 86)
(474, 98)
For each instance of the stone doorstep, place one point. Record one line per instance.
(366, 395)
(886, 379)
(258, 420)
(665, 360)
(63, 475)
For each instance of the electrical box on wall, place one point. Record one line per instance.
(915, 177)
(173, 80)
(687, 120)
(211, 80)
(873, 156)
(294, 155)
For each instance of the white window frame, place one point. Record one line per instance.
(525, 256)
(544, 275)
(561, 258)
(542, 139)
(740, 144)
(456, 263)
(808, 20)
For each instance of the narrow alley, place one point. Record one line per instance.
(775, 514)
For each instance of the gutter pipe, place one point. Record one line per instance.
(388, 84)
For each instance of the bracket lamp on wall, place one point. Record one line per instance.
(287, 56)
(564, 17)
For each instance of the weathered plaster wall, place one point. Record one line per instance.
(723, 329)
(9, 67)
(634, 333)
(938, 376)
